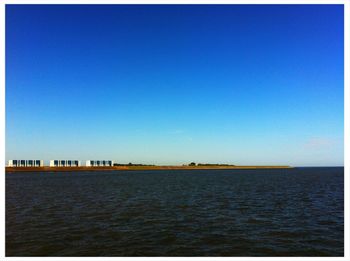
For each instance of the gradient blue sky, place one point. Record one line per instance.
(171, 84)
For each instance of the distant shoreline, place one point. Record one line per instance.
(83, 168)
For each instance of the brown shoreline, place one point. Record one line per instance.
(83, 168)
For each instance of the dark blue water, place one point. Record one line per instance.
(291, 212)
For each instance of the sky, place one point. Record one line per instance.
(172, 84)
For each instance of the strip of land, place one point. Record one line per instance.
(83, 168)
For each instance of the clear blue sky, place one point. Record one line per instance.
(170, 84)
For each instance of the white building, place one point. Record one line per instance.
(99, 163)
(26, 163)
(64, 163)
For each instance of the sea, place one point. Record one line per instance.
(262, 212)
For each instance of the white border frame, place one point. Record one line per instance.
(346, 4)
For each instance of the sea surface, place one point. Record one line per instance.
(286, 212)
